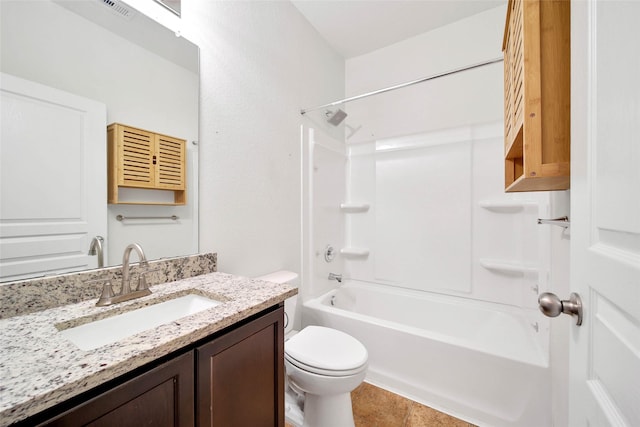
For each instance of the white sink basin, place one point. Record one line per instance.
(106, 331)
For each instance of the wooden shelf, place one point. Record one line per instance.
(150, 203)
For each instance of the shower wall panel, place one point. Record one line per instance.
(423, 215)
(328, 181)
(439, 220)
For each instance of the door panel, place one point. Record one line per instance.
(53, 187)
(605, 204)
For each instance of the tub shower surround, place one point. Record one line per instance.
(33, 295)
(39, 368)
(448, 270)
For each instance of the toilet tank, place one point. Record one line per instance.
(284, 276)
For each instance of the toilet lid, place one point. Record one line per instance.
(326, 349)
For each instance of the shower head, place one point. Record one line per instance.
(335, 117)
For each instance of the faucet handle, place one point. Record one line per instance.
(106, 297)
(142, 280)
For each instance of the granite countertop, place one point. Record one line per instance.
(39, 368)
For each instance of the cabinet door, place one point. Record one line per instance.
(171, 161)
(136, 157)
(241, 376)
(160, 397)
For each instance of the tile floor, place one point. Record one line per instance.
(376, 407)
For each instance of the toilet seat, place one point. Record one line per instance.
(324, 372)
(326, 351)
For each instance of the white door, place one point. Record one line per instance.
(53, 179)
(605, 213)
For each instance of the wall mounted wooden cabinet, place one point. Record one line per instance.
(537, 94)
(141, 159)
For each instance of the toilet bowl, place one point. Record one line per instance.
(323, 366)
(326, 365)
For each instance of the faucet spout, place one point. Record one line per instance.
(95, 248)
(336, 277)
(126, 287)
(126, 294)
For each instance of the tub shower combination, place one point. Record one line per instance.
(479, 361)
(440, 269)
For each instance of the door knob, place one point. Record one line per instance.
(552, 306)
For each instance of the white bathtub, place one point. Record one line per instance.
(478, 361)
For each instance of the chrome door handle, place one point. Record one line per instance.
(552, 306)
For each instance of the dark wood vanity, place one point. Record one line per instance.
(234, 377)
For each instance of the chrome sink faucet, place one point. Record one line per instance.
(95, 248)
(337, 277)
(108, 297)
(126, 287)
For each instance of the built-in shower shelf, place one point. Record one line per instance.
(504, 266)
(355, 252)
(509, 206)
(354, 207)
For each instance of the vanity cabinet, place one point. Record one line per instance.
(232, 378)
(241, 376)
(161, 397)
(536, 49)
(141, 159)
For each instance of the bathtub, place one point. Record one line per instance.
(478, 361)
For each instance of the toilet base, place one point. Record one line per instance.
(328, 411)
(318, 411)
(293, 406)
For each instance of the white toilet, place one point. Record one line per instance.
(323, 366)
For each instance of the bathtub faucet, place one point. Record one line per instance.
(333, 276)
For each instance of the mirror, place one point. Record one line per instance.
(145, 75)
(174, 6)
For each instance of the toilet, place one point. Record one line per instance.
(323, 366)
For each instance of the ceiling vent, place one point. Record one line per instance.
(118, 8)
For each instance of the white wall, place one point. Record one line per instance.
(46, 43)
(461, 99)
(261, 62)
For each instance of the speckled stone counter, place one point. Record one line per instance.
(39, 368)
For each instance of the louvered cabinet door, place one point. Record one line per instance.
(137, 157)
(169, 167)
(512, 70)
(537, 54)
